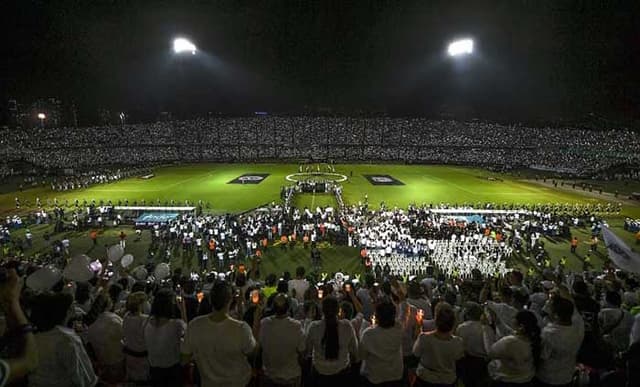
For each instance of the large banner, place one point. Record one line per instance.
(620, 253)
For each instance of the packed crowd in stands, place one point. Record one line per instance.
(411, 140)
(437, 305)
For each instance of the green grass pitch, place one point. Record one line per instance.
(209, 183)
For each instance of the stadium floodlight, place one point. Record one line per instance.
(41, 117)
(182, 45)
(460, 47)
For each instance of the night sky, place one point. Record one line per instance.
(534, 59)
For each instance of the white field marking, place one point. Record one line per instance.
(339, 177)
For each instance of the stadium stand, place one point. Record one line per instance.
(581, 152)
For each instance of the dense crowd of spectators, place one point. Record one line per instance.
(435, 304)
(279, 330)
(411, 140)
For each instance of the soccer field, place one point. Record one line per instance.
(222, 190)
(211, 184)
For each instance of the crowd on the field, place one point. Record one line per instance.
(411, 140)
(92, 177)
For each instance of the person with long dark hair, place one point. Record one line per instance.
(333, 344)
(515, 357)
(163, 335)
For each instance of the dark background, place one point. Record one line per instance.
(534, 60)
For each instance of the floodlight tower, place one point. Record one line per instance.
(42, 117)
(122, 118)
(461, 47)
(182, 45)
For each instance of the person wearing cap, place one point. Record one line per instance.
(282, 341)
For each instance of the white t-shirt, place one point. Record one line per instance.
(619, 334)
(346, 351)
(220, 350)
(163, 342)
(282, 340)
(438, 357)
(62, 360)
(505, 315)
(105, 336)
(300, 286)
(560, 345)
(471, 333)
(381, 354)
(132, 326)
(513, 359)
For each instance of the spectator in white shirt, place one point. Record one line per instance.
(333, 344)
(220, 344)
(381, 348)
(560, 344)
(514, 357)
(282, 342)
(439, 350)
(163, 336)
(615, 323)
(505, 313)
(474, 364)
(105, 338)
(416, 298)
(136, 362)
(364, 296)
(299, 285)
(63, 360)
